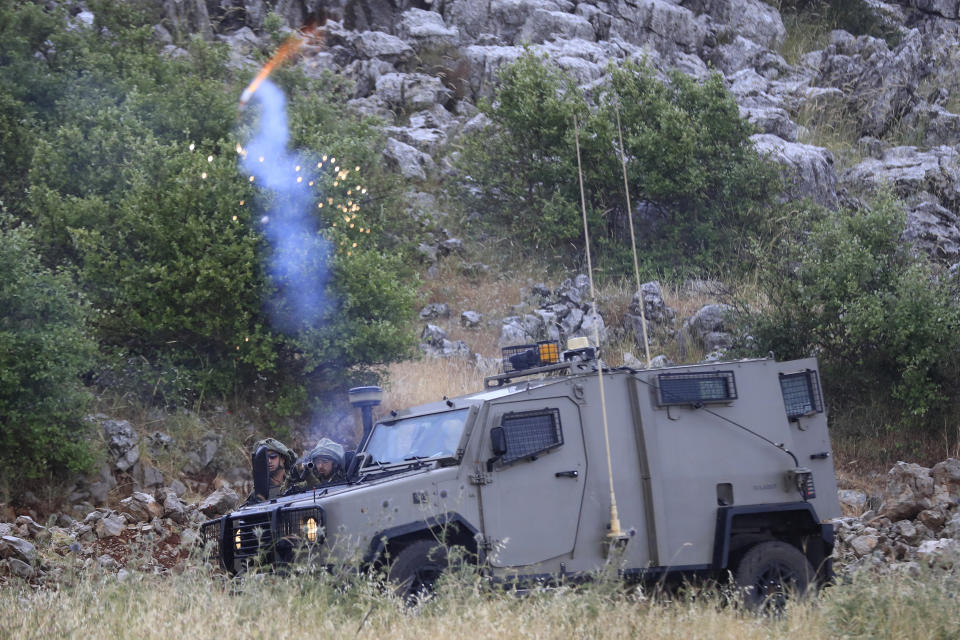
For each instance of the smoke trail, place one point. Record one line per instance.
(298, 264)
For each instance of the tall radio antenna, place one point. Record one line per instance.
(633, 238)
(614, 536)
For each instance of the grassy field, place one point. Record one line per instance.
(200, 604)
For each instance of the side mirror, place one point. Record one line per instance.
(498, 440)
(261, 474)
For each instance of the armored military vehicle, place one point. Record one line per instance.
(716, 469)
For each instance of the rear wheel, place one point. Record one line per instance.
(770, 572)
(417, 568)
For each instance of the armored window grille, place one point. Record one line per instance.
(696, 388)
(530, 433)
(801, 393)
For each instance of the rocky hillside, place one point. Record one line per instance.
(422, 66)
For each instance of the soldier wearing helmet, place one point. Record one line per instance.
(323, 463)
(280, 460)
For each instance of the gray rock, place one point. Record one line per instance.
(187, 17)
(544, 25)
(772, 120)
(946, 478)
(933, 174)
(470, 319)
(592, 326)
(513, 332)
(377, 44)
(427, 30)
(110, 526)
(660, 361)
(152, 477)
(433, 335)
(13, 547)
(175, 508)
(435, 310)
(30, 527)
(107, 562)
(658, 23)
(855, 501)
(571, 323)
(219, 502)
(178, 488)
(808, 169)
(142, 507)
(933, 229)
(944, 552)
(752, 19)
(864, 545)
(121, 443)
(20, 568)
(159, 443)
(909, 491)
(410, 92)
(412, 163)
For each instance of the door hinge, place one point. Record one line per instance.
(481, 478)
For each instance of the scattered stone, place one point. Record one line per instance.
(141, 507)
(13, 547)
(864, 545)
(219, 502)
(470, 319)
(122, 443)
(20, 568)
(110, 526)
(435, 310)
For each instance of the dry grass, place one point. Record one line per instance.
(197, 604)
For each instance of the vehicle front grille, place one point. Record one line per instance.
(251, 536)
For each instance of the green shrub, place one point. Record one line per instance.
(43, 352)
(871, 310)
(690, 164)
(106, 145)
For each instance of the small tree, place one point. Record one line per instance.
(43, 352)
(872, 311)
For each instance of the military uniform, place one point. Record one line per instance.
(289, 457)
(325, 449)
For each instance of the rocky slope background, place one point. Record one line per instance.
(423, 67)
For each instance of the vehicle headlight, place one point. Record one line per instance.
(310, 528)
(305, 524)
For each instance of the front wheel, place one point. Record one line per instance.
(417, 568)
(770, 572)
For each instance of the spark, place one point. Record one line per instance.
(209, 158)
(320, 206)
(239, 149)
(203, 176)
(251, 178)
(354, 244)
(324, 158)
(261, 158)
(241, 202)
(297, 168)
(265, 219)
(192, 146)
(310, 183)
(356, 168)
(234, 218)
(299, 178)
(368, 230)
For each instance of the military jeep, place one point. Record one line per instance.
(718, 469)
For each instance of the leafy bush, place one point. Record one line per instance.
(691, 167)
(43, 352)
(123, 158)
(873, 312)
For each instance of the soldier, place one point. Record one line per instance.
(323, 463)
(280, 459)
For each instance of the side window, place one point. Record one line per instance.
(529, 433)
(801, 393)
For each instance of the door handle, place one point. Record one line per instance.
(567, 474)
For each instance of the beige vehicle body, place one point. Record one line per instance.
(707, 461)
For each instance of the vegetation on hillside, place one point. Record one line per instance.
(697, 186)
(123, 159)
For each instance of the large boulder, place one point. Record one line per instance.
(13, 547)
(142, 507)
(933, 229)
(913, 174)
(753, 19)
(219, 502)
(910, 490)
(809, 170)
(660, 24)
(412, 163)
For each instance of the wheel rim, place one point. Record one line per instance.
(774, 583)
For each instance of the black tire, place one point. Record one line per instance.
(417, 568)
(772, 572)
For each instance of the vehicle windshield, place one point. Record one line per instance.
(431, 436)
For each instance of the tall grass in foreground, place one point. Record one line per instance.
(197, 604)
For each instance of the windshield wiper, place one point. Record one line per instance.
(415, 458)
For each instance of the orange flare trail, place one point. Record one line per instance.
(286, 50)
